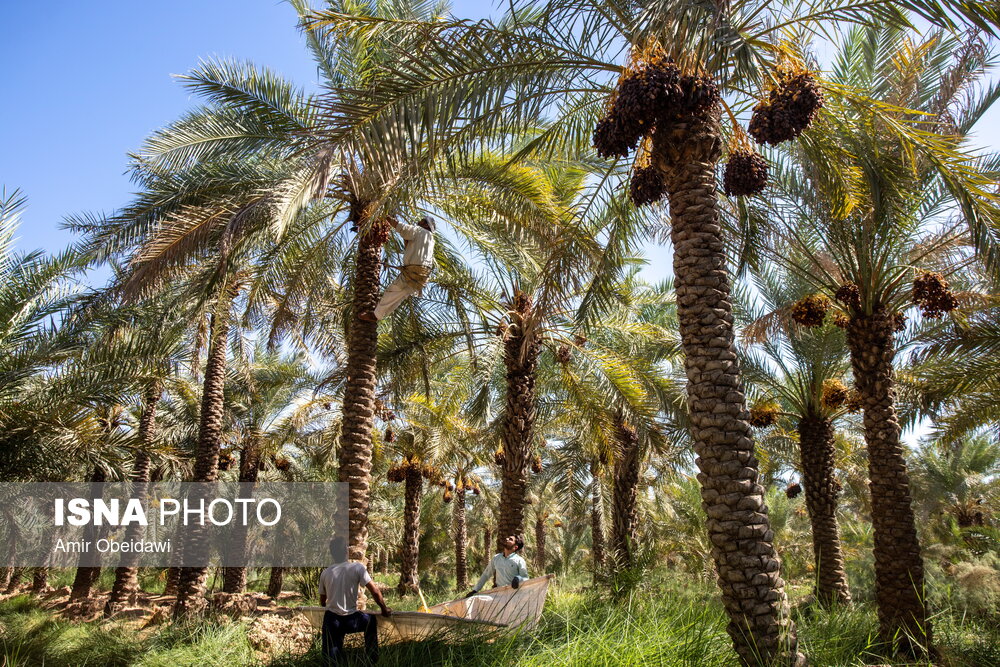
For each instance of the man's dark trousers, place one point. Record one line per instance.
(336, 626)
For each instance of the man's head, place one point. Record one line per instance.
(338, 549)
(427, 223)
(513, 543)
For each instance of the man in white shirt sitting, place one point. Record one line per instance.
(338, 592)
(418, 260)
(508, 566)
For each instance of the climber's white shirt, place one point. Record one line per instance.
(419, 249)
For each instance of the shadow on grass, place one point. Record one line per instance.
(672, 623)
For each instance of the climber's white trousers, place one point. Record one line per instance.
(398, 291)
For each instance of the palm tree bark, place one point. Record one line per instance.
(747, 565)
(234, 578)
(359, 392)
(39, 579)
(410, 548)
(623, 518)
(275, 581)
(487, 543)
(126, 584)
(191, 580)
(899, 568)
(540, 543)
(521, 347)
(16, 573)
(461, 540)
(597, 527)
(822, 490)
(86, 576)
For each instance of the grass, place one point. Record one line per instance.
(671, 622)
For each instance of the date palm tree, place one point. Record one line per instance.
(875, 197)
(270, 403)
(803, 370)
(562, 59)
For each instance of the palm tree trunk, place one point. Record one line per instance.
(410, 548)
(359, 392)
(86, 576)
(126, 584)
(623, 508)
(461, 540)
(234, 579)
(521, 347)
(687, 153)
(275, 581)
(385, 561)
(899, 568)
(191, 580)
(539, 544)
(822, 489)
(487, 544)
(39, 579)
(11, 576)
(597, 526)
(16, 574)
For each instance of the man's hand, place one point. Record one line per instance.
(471, 593)
(386, 611)
(515, 582)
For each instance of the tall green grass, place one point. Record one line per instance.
(670, 622)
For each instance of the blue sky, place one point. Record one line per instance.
(85, 82)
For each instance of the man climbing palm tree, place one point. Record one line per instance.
(418, 260)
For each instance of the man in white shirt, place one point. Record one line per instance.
(508, 566)
(418, 260)
(338, 592)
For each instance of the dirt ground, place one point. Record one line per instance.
(274, 627)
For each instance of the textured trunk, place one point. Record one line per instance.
(10, 575)
(521, 347)
(822, 489)
(359, 391)
(623, 506)
(385, 561)
(16, 574)
(39, 579)
(191, 580)
(899, 571)
(275, 581)
(540, 544)
(409, 550)
(746, 561)
(461, 541)
(234, 579)
(597, 527)
(126, 584)
(487, 545)
(86, 576)
(170, 585)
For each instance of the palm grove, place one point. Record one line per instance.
(833, 238)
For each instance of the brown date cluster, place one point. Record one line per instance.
(933, 295)
(764, 415)
(810, 311)
(789, 108)
(653, 92)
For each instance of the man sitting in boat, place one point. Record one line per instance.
(338, 592)
(508, 566)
